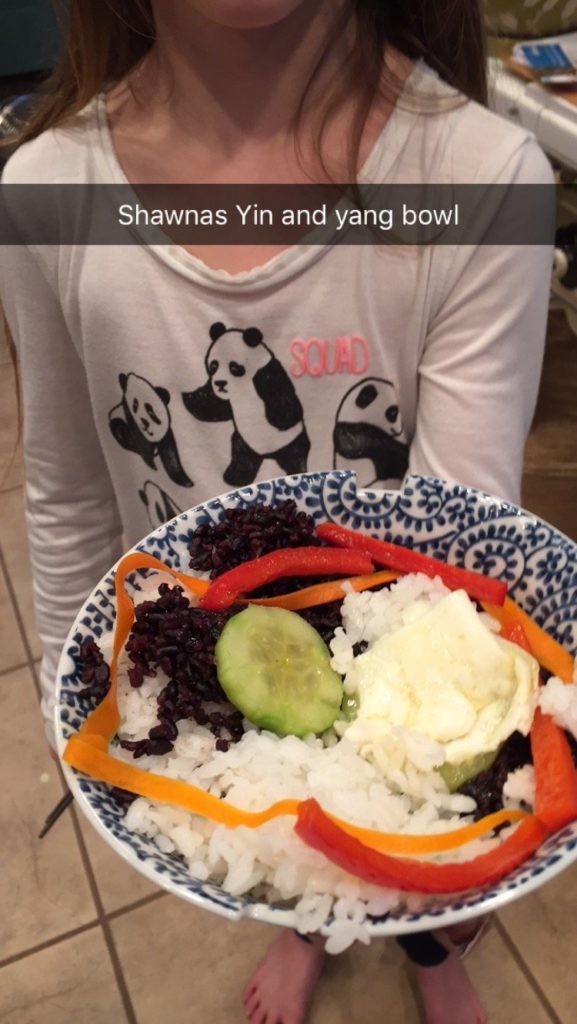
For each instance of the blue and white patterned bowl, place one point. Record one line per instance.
(454, 523)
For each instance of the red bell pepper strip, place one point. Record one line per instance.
(395, 556)
(515, 634)
(317, 830)
(305, 561)
(555, 774)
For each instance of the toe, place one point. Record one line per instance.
(254, 1014)
(249, 990)
(252, 1007)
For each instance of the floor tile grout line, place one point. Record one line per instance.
(11, 489)
(32, 666)
(112, 915)
(527, 973)
(48, 943)
(19, 621)
(104, 923)
(7, 469)
(14, 668)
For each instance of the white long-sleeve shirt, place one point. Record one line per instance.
(152, 382)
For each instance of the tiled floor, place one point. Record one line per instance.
(85, 939)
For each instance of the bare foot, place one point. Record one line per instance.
(281, 988)
(448, 995)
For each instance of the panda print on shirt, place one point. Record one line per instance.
(141, 423)
(249, 386)
(158, 503)
(367, 430)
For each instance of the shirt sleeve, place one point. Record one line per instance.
(481, 364)
(73, 523)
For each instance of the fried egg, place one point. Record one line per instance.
(448, 677)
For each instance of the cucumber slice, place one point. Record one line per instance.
(274, 667)
(456, 775)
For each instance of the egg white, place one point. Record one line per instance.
(448, 677)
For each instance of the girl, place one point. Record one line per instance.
(155, 376)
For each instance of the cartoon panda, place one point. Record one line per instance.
(159, 504)
(141, 423)
(368, 427)
(248, 385)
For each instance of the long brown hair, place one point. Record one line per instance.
(107, 39)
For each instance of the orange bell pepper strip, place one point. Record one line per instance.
(324, 593)
(555, 774)
(398, 844)
(316, 829)
(407, 560)
(543, 647)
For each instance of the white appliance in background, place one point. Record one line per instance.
(554, 122)
(552, 119)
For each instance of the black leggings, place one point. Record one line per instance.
(421, 948)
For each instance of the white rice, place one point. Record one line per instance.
(559, 700)
(519, 788)
(369, 616)
(401, 792)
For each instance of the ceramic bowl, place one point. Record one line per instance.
(450, 522)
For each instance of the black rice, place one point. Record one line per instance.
(170, 635)
(325, 618)
(573, 747)
(94, 672)
(487, 787)
(122, 796)
(246, 533)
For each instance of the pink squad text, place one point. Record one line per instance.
(320, 356)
